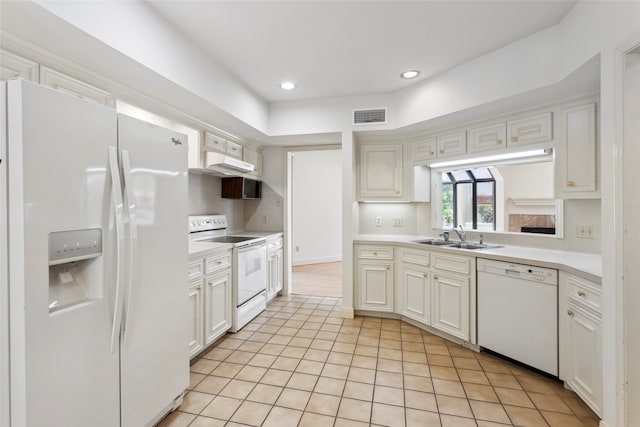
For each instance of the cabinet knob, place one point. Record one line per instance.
(498, 141)
(435, 277)
(570, 183)
(441, 151)
(375, 253)
(425, 275)
(397, 191)
(570, 313)
(388, 268)
(514, 138)
(581, 294)
(431, 153)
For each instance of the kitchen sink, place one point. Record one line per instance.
(434, 242)
(472, 245)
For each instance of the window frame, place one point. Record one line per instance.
(471, 179)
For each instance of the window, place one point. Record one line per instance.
(469, 199)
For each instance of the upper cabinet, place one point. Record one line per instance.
(72, 86)
(253, 157)
(490, 137)
(452, 144)
(576, 164)
(423, 150)
(530, 130)
(381, 171)
(13, 65)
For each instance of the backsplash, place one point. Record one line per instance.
(204, 198)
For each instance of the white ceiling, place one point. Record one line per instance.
(342, 48)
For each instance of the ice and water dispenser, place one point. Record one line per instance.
(73, 276)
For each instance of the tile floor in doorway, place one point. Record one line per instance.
(300, 364)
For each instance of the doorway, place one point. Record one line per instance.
(315, 221)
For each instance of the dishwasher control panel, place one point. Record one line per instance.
(520, 271)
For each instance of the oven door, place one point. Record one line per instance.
(252, 271)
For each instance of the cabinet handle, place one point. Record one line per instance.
(570, 183)
(397, 191)
(570, 313)
(375, 253)
(431, 153)
(425, 275)
(441, 151)
(498, 141)
(581, 294)
(435, 277)
(514, 138)
(388, 268)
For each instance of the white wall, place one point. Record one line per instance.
(271, 205)
(316, 223)
(204, 199)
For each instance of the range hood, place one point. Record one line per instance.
(226, 165)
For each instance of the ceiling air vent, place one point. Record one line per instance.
(369, 117)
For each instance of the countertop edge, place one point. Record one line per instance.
(584, 265)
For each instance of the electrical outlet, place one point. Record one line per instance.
(397, 221)
(297, 248)
(585, 231)
(278, 202)
(378, 221)
(265, 219)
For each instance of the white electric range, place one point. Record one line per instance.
(249, 265)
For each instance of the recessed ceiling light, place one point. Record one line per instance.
(287, 86)
(411, 74)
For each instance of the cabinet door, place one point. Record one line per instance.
(13, 65)
(585, 347)
(423, 150)
(234, 150)
(214, 143)
(375, 285)
(576, 164)
(253, 157)
(196, 342)
(451, 305)
(415, 293)
(381, 171)
(217, 306)
(485, 138)
(530, 130)
(452, 144)
(59, 81)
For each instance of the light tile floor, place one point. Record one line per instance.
(300, 364)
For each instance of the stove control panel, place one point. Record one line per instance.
(207, 222)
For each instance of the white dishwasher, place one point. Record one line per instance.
(518, 312)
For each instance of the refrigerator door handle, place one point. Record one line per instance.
(133, 237)
(116, 191)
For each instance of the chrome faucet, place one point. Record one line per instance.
(461, 233)
(445, 235)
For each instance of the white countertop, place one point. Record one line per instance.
(588, 266)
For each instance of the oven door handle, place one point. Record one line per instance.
(252, 245)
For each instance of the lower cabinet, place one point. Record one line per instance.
(196, 341)
(414, 289)
(430, 287)
(275, 269)
(217, 306)
(451, 304)
(581, 339)
(210, 288)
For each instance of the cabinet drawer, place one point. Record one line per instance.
(217, 262)
(423, 150)
(488, 138)
(196, 270)
(375, 252)
(584, 293)
(275, 244)
(452, 263)
(414, 256)
(234, 149)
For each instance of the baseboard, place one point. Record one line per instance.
(318, 260)
(347, 313)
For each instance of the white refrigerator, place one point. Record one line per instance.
(96, 231)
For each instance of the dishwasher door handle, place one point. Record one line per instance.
(509, 272)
